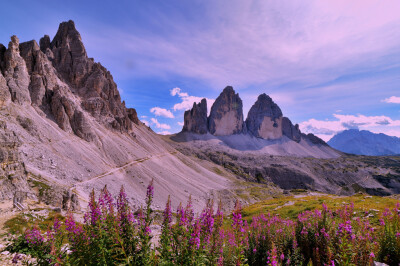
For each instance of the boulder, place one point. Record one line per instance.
(264, 119)
(226, 116)
(195, 120)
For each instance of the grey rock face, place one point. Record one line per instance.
(291, 131)
(59, 78)
(12, 170)
(265, 119)
(314, 139)
(195, 120)
(70, 58)
(43, 76)
(16, 73)
(44, 43)
(5, 96)
(63, 109)
(92, 81)
(226, 116)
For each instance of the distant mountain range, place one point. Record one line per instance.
(365, 143)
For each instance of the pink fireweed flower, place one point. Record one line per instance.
(195, 235)
(168, 212)
(189, 213)
(372, 255)
(56, 225)
(150, 190)
(34, 236)
(237, 221)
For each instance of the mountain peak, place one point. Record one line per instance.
(264, 119)
(364, 142)
(226, 116)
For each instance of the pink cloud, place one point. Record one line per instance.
(393, 99)
(326, 129)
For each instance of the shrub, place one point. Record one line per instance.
(112, 234)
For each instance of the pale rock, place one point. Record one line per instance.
(226, 116)
(16, 73)
(264, 119)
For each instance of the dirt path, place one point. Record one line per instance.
(123, 167)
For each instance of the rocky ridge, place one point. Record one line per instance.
(73, 133)
(60, 80)
(226, 116)
(264, 120)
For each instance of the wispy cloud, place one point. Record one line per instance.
(253, 42)
(326, 129)
(157, 111)
(157, 124)
(393, 99)
(164, 132)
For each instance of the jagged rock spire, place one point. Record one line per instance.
(195, 120)
(264, 119)
(226, 116)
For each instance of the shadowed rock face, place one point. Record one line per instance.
(265, 119)
(290, 131)
(226, 116)
(58, 77)
(91, 80)
(195, 120)
(5, 96)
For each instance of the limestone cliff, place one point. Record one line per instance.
(226, 116)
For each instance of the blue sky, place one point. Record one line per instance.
(330, 65)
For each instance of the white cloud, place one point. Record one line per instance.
(160, 125)
(393, 99)
(187, 100)
(162, 112)
(181, 123)
(253, 42)
(327, 129)
(164, 132)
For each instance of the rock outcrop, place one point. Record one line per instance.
(314, 139)
(15, 73)
(265, 119)
(5, 96)
(58, 77)
(12, 170)
(195, 120)
(44, 78)
(226, 116)
(289, 130)
(93, 82)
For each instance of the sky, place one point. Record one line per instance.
(330, 65)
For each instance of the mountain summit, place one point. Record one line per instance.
(63, 125)
(265, 122)
(363, 142)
